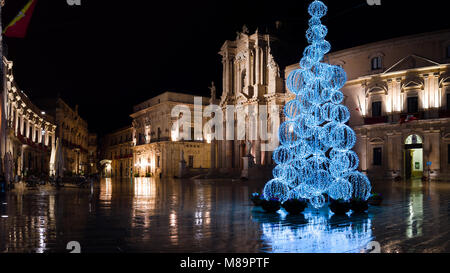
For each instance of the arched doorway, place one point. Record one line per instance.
(413, 157)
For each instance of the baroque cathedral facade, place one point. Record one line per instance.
(252, 78)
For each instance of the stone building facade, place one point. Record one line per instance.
(252, 77)
(93, 154)
(158, 148)
(30, 133)
(398, 93)
(73, 132)
(118, 151)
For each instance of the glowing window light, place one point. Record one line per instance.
(315, 156)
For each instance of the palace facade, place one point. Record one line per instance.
(30, 133)
(117, 150)
(158, 145)
(73, 132)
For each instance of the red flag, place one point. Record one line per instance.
(18, 27)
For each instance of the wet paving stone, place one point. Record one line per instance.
(148, 215)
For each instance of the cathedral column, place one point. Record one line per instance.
(258, 137)
(248, 69)
(257, 66)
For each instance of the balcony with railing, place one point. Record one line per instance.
(375, 120)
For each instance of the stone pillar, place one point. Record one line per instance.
(237, 156)
(261, 66)
(229, 154)
(258, 153)
(248, 69)
(426, 93)
(436, 90)
(213, 154)
(257, 66)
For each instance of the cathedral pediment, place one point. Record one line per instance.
(411, 62)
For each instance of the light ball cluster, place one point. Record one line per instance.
(315, 157)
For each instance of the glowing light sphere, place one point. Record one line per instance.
(319, 182)
(318, 201)
(288, 133)
(315, 117)
(314, 53)
(361, 185)
(300, 151)
(314, 21)
(315, 156)
(324, 46)
(338, 79)
(327, 109)
(340, 189)
(343, 162)
(292, 109)
(317, 9)
(340, 114)
(276, 189)
(282, 155)
(337, 97)
(316, 33)
(342, 138)
(279, 171)
(296, 81)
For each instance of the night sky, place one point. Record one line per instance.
(108, 57)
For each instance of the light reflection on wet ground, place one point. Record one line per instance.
(148, 215)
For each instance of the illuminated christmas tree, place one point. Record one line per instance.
(315, 157)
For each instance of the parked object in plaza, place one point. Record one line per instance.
(339, 207)
(359, 205)
(295, 206)
(271, 206)
(256, 199)
(375, 199)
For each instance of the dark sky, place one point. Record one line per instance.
(107, 56)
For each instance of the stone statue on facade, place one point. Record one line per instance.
(251, 158)
(245, 29)
(213, 91)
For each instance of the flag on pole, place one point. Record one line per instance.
(18, 27)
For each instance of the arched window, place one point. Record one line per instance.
(413, 139)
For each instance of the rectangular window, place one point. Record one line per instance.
(158, 161)
(191, 161)
(377, 156)
(376, 63)
(413, 105)
(376, 109)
